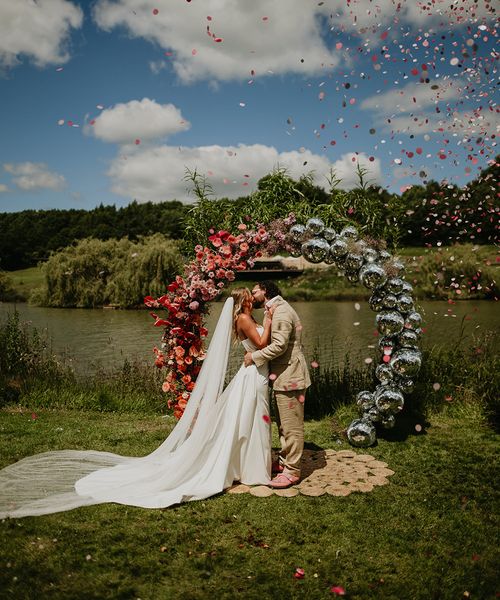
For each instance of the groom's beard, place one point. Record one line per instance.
(258, 303)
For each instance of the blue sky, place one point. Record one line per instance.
(111, 100)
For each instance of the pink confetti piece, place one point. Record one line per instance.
(155, 11)
(299, 573)
(314, 364)
(266, 418)
(336, 589)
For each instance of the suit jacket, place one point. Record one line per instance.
(284, 353)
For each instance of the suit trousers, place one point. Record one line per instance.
(290, 419)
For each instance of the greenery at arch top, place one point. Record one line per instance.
(371, 209)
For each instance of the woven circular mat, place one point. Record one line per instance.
(328, 472)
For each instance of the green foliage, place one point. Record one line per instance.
(25, 356)
(121, 272)
(459, 272)
(7, 289)
(30, 236)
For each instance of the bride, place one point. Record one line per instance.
(223, 436)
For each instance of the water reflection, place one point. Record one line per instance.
(92, 338)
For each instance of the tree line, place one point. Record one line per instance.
(424, 214)
(30, 236)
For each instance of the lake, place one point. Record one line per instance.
(93, 338)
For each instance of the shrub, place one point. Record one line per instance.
(95, 272)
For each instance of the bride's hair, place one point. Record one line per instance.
(240, 296)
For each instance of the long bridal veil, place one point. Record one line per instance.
(62, 480)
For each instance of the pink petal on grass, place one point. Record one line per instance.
(336, 589)
(299, 573)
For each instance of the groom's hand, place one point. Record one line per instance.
(248, 359)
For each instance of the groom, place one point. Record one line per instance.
(289, 367)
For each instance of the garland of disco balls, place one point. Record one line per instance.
(397, 321)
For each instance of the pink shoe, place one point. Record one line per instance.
(277, 467)
(283, 480)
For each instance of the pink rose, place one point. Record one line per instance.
(194, 305)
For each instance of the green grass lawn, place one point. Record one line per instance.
(25, 281)
(432, 532)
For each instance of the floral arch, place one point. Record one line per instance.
(187, 301)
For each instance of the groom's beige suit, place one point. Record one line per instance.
(287, 362)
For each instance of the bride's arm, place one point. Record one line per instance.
(247, 326)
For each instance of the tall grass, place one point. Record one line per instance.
(465, 374)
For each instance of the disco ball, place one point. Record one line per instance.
(370, 255)
(408, 339)
(372, 275)
(389, 399)
(390, 323)
(315, 250)
(338, 249)
(315, 226)
(406, 362)
(353, 261)
(349, 233)
(394, 285)
(390, 301)
(376, 301)
(384, 374)
(297, 232)
(329, 234)
(361, 433)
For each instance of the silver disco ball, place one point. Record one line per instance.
(352, 276)
(349, 233)
(387, 342)
(338, 248)
(329, 259)
(372, 275)
(406, 362)
(361, 433)
(408, 339)
(297, 232)
(329, 234)
(407, 288)
(394, 285)
(384, 374)
(390, 323)
(315, 250)
(389, 399)
(405, 384)
(364, 400)
(370, 255)
(353, 261)
(413, 320)
(315, 226)
(295, 250)
(398, 266)
(384, 256)
(404, 303)
(390, 301)
(373, 414)
(376, 301)
(388, 421)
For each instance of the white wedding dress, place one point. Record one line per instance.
(222, 437)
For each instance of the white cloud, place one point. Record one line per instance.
(281, 36)
(30, 176)
(3, 188)
(144, 120)
(412, 110)
(157, 173)
(38, 29)
(157, 66)
(365, 18)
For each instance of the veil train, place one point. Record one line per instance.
(179, 469)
